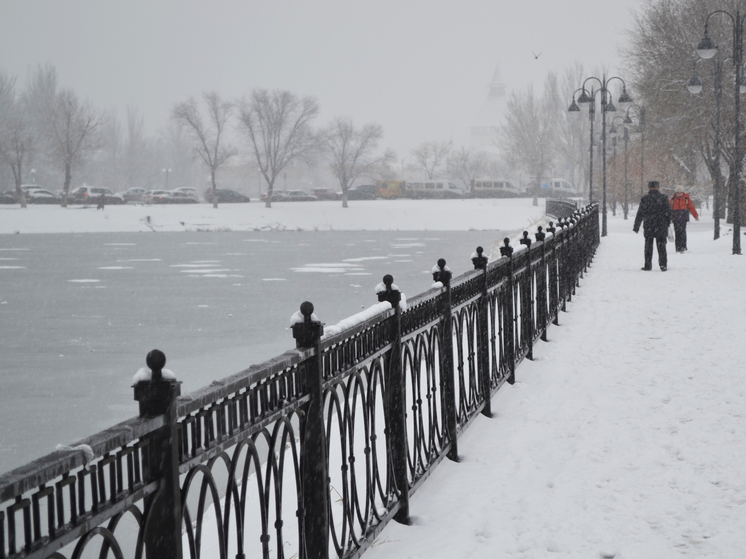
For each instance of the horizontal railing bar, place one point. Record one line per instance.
(53, 465)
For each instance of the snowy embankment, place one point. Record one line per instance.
(373, 215)
(624, 437)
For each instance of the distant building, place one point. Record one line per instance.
(490, 117)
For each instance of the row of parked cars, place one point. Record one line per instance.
(93, 195)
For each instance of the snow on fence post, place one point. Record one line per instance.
(527, 300)
(314, 466)
(395, 406)
(156, 394)
(479, 260)
(541, 286)
(554, 288)
(509, 313)
(442, 274)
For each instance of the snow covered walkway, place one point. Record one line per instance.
(625, 437)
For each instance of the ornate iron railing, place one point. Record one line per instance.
(312, 453)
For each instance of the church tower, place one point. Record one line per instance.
(490, 117)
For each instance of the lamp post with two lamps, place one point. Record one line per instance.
(706, 48)
(607, 105)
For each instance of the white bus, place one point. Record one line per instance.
(434, 189)
(558, 188)
(495, 188)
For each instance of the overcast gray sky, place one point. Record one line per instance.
(419, 68)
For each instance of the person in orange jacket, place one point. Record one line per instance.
(682, 206)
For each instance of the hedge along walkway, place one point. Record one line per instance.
(625, 437)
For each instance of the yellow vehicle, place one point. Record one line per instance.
(391, 189)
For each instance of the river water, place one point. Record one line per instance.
(79, 312)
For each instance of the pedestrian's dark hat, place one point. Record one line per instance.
(653, 184)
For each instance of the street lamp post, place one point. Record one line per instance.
(706, 48)
(607, 105)
(640, 114)
(166, 172)
(694, 85)
(625, 207)
(592, 114)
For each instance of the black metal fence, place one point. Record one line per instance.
(312, 453)
(560, 207)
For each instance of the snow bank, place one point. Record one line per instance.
(372, 215)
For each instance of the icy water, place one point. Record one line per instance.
(78, 313)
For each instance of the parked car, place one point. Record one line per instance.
(299, 196)
(157, 197)
(26, 188)
(188, 190)
(41, 196)
(181, 197)
(92, 194)
(226, 196)
(134, 194)
(8, 197)
(362, 192)
(326, 194)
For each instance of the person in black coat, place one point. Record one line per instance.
(654, 213)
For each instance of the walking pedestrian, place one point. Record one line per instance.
(682, 206)
(654, 213)
(101, 200)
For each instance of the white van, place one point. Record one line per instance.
(495, 188)
(434, 189)
(558, 188)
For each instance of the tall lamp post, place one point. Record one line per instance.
(166, 172)
(707, 49)
(607, 105)
(694, 85)
(592, 114)
(614, 133)
(639, 112)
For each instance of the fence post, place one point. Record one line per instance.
(443, 274)
(509, 312)
(480, 263)
(553, 276)
(395, 401)
(157, 396)
(527, 300)
(314, 466)
(541, 286)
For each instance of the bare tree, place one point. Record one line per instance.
(466, 164)
(278, 125)
(208, 136)
(431, 155)
(72, 127)
(662, 58)
(16, 133)
(351, 151)
(528, 135)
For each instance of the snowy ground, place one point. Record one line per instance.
(625, 438)
(373, 215)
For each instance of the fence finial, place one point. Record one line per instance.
(390, 291)
(478, 259)
(307, 329)
(526, 240)
(506, 250)
(441, 272)
(540, 235)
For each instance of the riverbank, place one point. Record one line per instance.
(373, 215)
